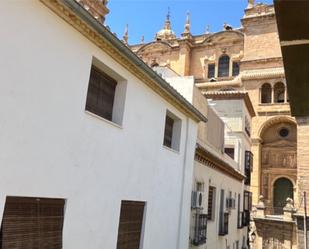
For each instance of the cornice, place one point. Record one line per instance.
(210, 160)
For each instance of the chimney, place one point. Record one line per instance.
(97, 8)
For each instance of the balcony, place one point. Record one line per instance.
(200, 229)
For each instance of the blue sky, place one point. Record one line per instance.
(146, 17)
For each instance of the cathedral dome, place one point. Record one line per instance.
(166, 33)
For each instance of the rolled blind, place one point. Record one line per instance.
(32, 223)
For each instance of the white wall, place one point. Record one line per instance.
(212, 177)
(50, 147)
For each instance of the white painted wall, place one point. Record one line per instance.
(50, 147)
(214, 178)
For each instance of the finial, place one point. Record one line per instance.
(187, 32)
(126, 35)
(168, 14)
(188, 24)
(142, 39)
(250, 4)
(167, 24)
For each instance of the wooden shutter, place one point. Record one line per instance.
(32, 223)
(101, 93)
(168, 132)
(130, 225)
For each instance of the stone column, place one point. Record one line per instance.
(256, 174)
(272, 95)
(184, 57)
(285, 95)
(302, 159)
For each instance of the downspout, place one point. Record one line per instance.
(183, 185)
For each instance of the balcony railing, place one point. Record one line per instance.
(200, 229)
(245, 218)
(239, 220)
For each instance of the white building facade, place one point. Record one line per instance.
(88, 167)
(220, 198)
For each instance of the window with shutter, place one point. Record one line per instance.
(130, 225)
(30, 223)
(101, 94)
(211, 203)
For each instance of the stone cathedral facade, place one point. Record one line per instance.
(245, 59)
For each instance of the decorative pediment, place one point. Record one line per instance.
(155, 47)
(224, 36)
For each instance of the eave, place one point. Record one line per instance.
(80, 19)
(205, 157)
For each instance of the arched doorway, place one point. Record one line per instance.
(283, 188)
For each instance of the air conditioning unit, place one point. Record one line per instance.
(197, 199)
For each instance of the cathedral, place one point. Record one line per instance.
(247, 59)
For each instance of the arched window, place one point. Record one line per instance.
(283, 189)
(224, 66)
(279, 92)
(266, 93)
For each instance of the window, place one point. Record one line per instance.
(230, 152)
(266, 93)
(224, 66)
(247, 126)
(172, 131)
(224, 217)
(247, 208)
(130, 224)
(211, 71)
(279, 92)
(32, 223)
(101, 94)
(211, 203)
(248, 166)
(200, 230)
(237, 244)
(239, 214)
(235, 68)
(106, 93)
(284, 132)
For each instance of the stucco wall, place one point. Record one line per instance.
(50, 147)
